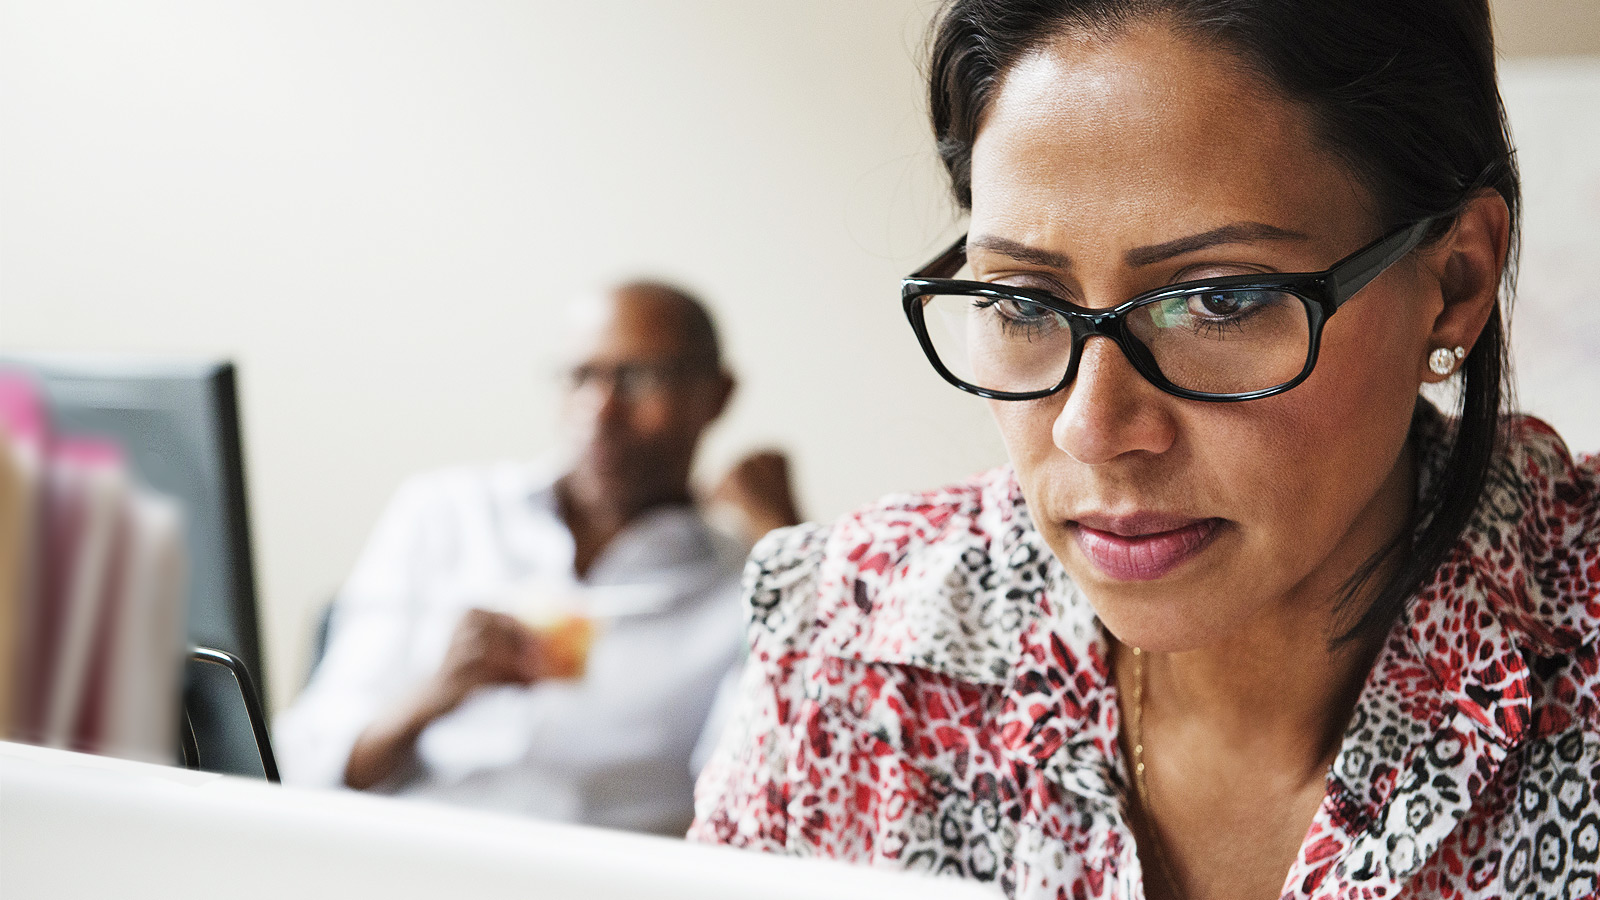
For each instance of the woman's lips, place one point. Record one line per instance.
(1142, 548)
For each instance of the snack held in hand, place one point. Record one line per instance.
(565, 643)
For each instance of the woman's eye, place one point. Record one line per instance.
(1223, 304)
(1016, 318)
(1013, 308)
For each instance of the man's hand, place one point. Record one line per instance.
(758, 488)
(487, 648)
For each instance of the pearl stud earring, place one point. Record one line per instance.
(1443, 361)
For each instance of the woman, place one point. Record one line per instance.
(1244, 617)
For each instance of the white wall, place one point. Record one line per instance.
(376, 206)
(1554, 106)
(1525, 28)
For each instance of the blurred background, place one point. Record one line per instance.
(376, 208)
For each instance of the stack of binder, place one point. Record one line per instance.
(92, 587)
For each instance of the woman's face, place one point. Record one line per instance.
(1108, 167)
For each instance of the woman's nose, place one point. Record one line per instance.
(1111, 409)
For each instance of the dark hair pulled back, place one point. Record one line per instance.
(1404, 91)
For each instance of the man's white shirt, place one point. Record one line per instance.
(611, 749)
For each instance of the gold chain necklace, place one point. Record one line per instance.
(1141, 789)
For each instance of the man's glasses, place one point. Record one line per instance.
(635, 380)
(1240, 337)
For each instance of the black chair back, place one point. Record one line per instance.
(224, 728)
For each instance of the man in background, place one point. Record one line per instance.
(550, 641)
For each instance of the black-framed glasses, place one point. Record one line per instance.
(1240, 337)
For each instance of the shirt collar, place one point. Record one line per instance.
(960, 583)
(1521, 584)
(663, 551)
(946, 581)
(1453, 692)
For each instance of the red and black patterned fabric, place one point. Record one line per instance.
(927, 690)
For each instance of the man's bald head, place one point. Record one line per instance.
(678, 312)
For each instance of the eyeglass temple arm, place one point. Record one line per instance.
(947, 263)
(1358, 270)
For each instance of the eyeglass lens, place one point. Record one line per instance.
(631, 380)
(1213, 342)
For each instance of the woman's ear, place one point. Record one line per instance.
(1468, 261)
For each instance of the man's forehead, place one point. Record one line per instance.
(617, 326)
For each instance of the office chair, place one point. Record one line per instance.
(224, 749)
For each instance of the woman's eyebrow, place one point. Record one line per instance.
(1234, 233)
(1019, 252)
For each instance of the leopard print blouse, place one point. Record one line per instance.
(926, 690)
